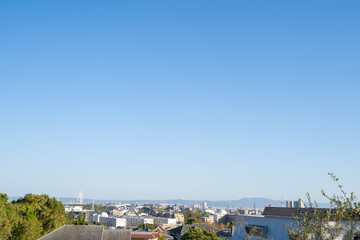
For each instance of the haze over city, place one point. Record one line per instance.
(200, 100)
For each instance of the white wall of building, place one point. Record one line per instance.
(168, 221)
(275, 226)
(113, 221)
(96, 217)
(73, 208)
(136, 221)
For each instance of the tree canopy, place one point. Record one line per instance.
(191, 221)
(30, 217)
(197, 233)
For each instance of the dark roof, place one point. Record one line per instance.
(184, 228)
(290, 212)
(75, 232)
(176, 230)
(117, 234)
(84, 232)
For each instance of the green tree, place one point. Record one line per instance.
(30, 217)
(8, 217)
(162, 238)
(197, 214)
(39, 215)
(197, 233)
(339, 221)
(80, 220)
(146, 226)
(191, 221)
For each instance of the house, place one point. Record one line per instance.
(272, 224)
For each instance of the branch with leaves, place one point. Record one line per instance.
(341, 220)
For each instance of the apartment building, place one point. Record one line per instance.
(114, 222)
(135, 221)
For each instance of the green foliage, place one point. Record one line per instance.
(255, 231)
(7, 217)
(197, 233)
(146, 226)
(80, 220)
(97, 207)
(30, 217)
(159, 209)
(145, 210)
(191, 221)
(230, 225)
(339, 221)
(70, 218)
(192, 214)
(162, 238)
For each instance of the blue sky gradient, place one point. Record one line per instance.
(179, 99)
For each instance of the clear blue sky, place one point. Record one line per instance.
(179, 99)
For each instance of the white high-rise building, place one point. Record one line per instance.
(80, 198)
(299, 204)
(295, 204)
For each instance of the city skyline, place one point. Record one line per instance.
(166, 100)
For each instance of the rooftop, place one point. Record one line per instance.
(84, 232)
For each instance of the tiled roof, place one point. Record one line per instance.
(117, 234)
(84, 232)
(144, 236)
(75, 232)
(289, 212)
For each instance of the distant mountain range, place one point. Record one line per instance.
(244, 202)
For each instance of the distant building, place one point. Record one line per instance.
(96, 216)
(166, 221)
(205, 206)
(70, 208)
(196, 206)
(208, 219)
(114, 222)
(243, 211)
(136, 221)
(179, 217)
(115, 212)
(295, 204)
